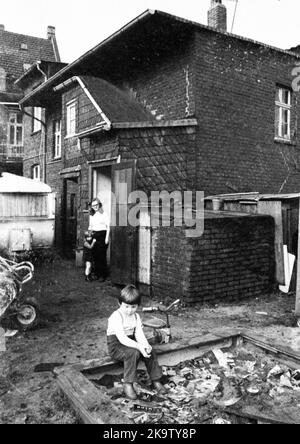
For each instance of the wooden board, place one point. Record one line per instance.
(91, 404)
(288, 415)
(273, 208)
(297, 303)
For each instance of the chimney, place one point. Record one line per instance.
(217, 15)
(50, 32)
(2, 28)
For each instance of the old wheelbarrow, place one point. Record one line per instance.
(13, 304)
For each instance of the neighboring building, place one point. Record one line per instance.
(17, 53)
(167, 104)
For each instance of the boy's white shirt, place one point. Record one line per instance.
(122, 326)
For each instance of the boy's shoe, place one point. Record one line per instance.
(129, 391)
(159, 387)
(88, 278)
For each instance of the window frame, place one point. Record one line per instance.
(282, 107)
(34, 168)
(57, 136)
(36, 124)
(71, 124)
(15, 125)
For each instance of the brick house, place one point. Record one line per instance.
(170, 104)
(17, 53)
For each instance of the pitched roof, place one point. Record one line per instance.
(13, 57)
(116, 104)
(151, 26)
(10, 183)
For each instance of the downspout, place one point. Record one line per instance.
(22, 109)
(41, 71)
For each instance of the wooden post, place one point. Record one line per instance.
(297, 308)
(273, 208)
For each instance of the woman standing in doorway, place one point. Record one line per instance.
(99, 225)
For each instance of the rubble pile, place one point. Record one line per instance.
(202, 390)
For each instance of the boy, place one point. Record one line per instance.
(126, 342)
(88, 245)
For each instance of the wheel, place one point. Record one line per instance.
(27, 316)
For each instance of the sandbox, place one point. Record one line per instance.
(218, 378)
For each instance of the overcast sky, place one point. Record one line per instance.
(82, 24)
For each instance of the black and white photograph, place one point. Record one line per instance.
(150, 215)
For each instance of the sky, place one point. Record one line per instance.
(82, 24)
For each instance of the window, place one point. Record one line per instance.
(71, 118)
(36, 124)
(57, 139)
(15, 129)
(36, 172)
(283, 106)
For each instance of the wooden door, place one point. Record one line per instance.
(70, 215)
(123, 267)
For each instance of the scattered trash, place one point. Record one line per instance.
(285, 380)
(262, 313)
(224, 359)
(221, 421)
(200, 390)
(47, 367)
(10, 333)
(2, 341)
(253, 390)
(276, 371)
(143, 408)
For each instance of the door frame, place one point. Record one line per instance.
(76, 176)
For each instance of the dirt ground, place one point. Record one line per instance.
(73, 325)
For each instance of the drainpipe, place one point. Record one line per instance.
(41, 71)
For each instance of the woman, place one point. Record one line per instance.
(99, 225)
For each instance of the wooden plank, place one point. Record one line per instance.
(217, 339)
(288, 415)
(297, 302)
(91, 404)
(273, 208)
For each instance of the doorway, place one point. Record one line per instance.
(70, 216)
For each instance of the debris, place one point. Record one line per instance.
(2, 341)
(276, 371)
(143, 408)
(262, 313)
(285, 381)
(47, 367)
(10, 333)
(142, 419)
(228, 402)
(225, 360)
(253, 390)
(221, 421)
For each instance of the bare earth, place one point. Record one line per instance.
(73, 326)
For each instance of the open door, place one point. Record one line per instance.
(123, 268)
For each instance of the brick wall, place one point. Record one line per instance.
(235, 105)
(163, 79)
(233, 260)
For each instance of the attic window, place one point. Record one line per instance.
(24, 46)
